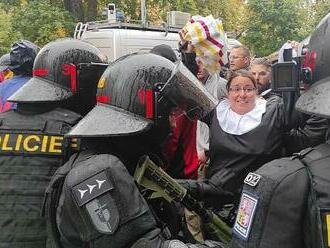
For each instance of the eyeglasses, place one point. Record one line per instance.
(235, 58)
(262, 73)
(237, 90)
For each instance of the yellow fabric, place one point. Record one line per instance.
(209, 40)
(328, 228)
(8, 74)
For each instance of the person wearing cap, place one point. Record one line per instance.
(32, 144)
(100, 204)
(5, 73)
(20, 62)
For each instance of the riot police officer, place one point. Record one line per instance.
(100, 206)
(20, 62)
(5, 72)
(32, 145)
(286, 202)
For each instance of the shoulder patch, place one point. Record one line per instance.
(104, 214)
(91, 188)
(244, 218)
(252, 179)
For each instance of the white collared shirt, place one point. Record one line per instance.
(237, 124)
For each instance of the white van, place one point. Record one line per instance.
(116, 39)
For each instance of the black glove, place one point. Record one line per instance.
(191, 186)
(208, 190)
(204, 190)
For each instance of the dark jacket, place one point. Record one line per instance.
(232, 157)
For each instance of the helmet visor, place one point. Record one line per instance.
(40, 90)
(316, 100)
(187, 92)
(106, 120)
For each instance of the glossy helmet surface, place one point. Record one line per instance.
(317, 99)
(22, 56)
(134, 94)
(56, 75)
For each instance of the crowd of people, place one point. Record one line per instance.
(72, 135)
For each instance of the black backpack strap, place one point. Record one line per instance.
(51, 199)
(300, 155)
(305, 158)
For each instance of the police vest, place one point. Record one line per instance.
(317, 218)
(32, 147)
(272, 206)
(286, 203)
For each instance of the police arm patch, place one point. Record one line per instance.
(244, 218)
(104, 214)
(252, 179)
(91, 188)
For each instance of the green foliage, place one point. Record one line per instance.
(231, 12)
(10, 3)
(266, 24)
(186, 6)
(7, 33)
(131, 8)
(316, 12)
(271, 23)
(41, 22)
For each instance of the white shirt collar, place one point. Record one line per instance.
(237, 124)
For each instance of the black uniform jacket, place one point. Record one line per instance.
(232, 157)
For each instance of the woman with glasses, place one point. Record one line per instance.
(246, 131)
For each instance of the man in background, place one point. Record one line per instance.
(239, 58)
(261, 70)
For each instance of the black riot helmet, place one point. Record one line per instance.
(64, 70)
(138, 92)
(4, 62)
(317, 99)
(22, 56)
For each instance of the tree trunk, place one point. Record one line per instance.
(91, 10)
(75, 7)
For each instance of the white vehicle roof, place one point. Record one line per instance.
(119, 39)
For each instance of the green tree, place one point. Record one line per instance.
(41, 22)
(311, 14)
(7, 33)
(75, 7)
(131, 8)
(271, 23)
(231, 12)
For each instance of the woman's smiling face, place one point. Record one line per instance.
(242, 95)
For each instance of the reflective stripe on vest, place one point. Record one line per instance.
(29, 155)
